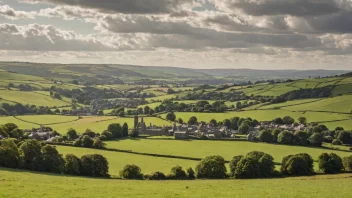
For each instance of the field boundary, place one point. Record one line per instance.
(46, 124)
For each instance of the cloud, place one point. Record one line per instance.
(12, 14)
(123, 6)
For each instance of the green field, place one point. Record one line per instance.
(118, 160)
(289, 104)
(161, 98)
(227, 149)
(33, 185)
(32, 98)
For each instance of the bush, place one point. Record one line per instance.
(330, 163)
(300, 164)
(337, 142)
(316, 139)
(87, 141)
(102, 138)
(190, 173)
(255, 165)
(285, 137)
(178, 173)
(265, 136)
(95, 165)
(233, 164)
(211, 167)
(347, 163)
(134, 133)
(156, 176)
(131, 172)
(72, 165)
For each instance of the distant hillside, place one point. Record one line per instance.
(109, 73)
(347, 75)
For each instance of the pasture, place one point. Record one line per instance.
(226, 149)
(35, 185)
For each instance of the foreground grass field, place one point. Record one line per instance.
(118, 160)
(227, 149)
(33, 185)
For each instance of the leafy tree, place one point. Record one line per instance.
(116, 130)
(285, 137)
(72, 165)
(178, 173)
(72, 134)
(192, 120)
(234, 123)
(316, 139)
(9, 155)
(90, 133)
(275, 134)
(347, 163)
(302, 120)
(171, 116)
(300, 138)
(125, 130)
(146, 110)
(180, 121)
(337, 142)
(211, 167)
(52, 160)
(131, 172)
(31, 155)
(288, 120)
(244, 128)
(227, 123)
(107, 134)
(190, 173)
(299, 164)
(213, 122)
(94, 165)
(87, 141)
(134, 133)
(344, 137)
(156, 176)
(77, 143)
(330, 163)
(278, 121)
(98, 143)
(265, 136)
(234, 162)
(16, 133)
(9, 127)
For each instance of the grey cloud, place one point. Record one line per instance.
(11, 13)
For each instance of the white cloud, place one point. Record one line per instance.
(12, 14)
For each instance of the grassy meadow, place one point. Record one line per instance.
(33, 185)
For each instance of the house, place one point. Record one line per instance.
(180, 135)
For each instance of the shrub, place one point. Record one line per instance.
(190, 173)
(255, 165)
(98, 143)
(178, 173)
(94, 165)
(347, 163)
(87, 141)
(211, 167)
(316, 139)
(299, 164)
(285, 137)
(131, 172)
(330, 163)
(102, 138)
(265, 136)
(156, 176)
(336, 142)
(72, 165)
(134, 133)
(9, 155)
(233, 164)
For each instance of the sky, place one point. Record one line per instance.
(256, 34)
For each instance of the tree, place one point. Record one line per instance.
(330, 163)
(213, 122)
(100, 113)
(77, 143)
(265, 136)
(302, 120)
(156, 176)
(244, 128)
(299, 164)
(347, 163)
(98, 143)
(146, 110)
(131, 172)
(316, 139)
(336, 142)
(300, 138)
(255, 165)
(31, 155)
(285, 137)
(344, 137)
(192, 120)
(278, 121)
(125, 130)
(87, 141)
(134, 133)
(72, 165)
(9, 127)
(52, 160)
(275, 134)
(233, 164)
(178, 173)
(9, 155)
(171, 116)
(190, 173)
(94, 165)
(16, 133)
(234, 123)
(211, 167)
(227, 123)
(116, 130)
(72, 134)
(288, 120)
(108, 135)
(180, 120)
